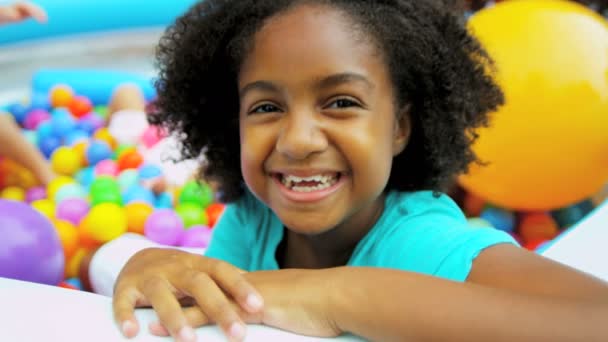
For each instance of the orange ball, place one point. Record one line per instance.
(130, 160)
(103, 134)
(68, 234)
(80, 106)
(137, 214)
(84, 236)
(61, 95)
(214, 211)
(72, 266)
(536, 226)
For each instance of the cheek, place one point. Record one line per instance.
(255, 147)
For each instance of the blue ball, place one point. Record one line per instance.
(86, 126)
(75, 136)
(97, 151)
(140, 194)
(31, 136)
(40, 100)
(44, 130)
(48, 145)
(75, 282)
(86, 176)
(499, 218)
(164, 201)
(62, 122)
(19, 111)
(148, 171)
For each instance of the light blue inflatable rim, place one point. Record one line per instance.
(67, 17)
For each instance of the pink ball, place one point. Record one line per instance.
(165, 227)
(152, 135)
(73, 210)
(196, 236)
(106, 167)
(35, 194)
(35, 118)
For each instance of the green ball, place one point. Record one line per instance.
(105, 189)
(102, 111)
(196, 193)
(191, 214)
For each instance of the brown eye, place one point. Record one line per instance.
(343, 103)
(265, 108)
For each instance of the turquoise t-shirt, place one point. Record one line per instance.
(417, 232)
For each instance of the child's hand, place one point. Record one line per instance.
(20, 11)
(298, 301)
(160, 277)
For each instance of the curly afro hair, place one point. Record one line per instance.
(437, 68)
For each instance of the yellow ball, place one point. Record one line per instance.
(105, 222)
(45, 206)
(66, 161)
(68, 235)
(547, 147)
(104, 134)
(57, 184)
(13, 193)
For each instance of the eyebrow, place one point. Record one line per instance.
(324, 83)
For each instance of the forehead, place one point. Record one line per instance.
(311, 39)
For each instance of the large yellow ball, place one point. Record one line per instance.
(105, 222)
(548, 146)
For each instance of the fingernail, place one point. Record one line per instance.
(254, 302)
(187, 334)
(128, 328)
(237, 331)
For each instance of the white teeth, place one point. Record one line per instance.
(325, 181)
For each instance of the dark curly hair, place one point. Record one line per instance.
(436, 66)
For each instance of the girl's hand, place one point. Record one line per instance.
(298, 301)
(20, 11)
(161, 278)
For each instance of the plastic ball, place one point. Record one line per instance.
(164, 200)
(478, 222)
(65, 161)
(13, 193)
(31, 249)
(56, 184)
(104, 135)
(214, 212)
(44, 206)
(138, 193)
(196, 193)
(48, 145)
(68, 235)
(102, 111)
(73, 264)
(546, 147)
(70, 191)
(44, 130)
(165, 227)
(61, 95)
(80, 106)
(106, 167)
(127, 179)
(130, 160)
(137, 214)
(105, 189)
(191, 214)
(40, 100)
(500, 219)
(149, 171)
(73, 210)
(76, 136)
(122, 148)
(106, 221)
(81, 148)
(197, 237)
(569, 216)
(537, 226)
(35, 193)
(151, 136)
(31, 137)
(98, 151)
(62, 122)
(35, 117)
(86, 176)
(18, 111)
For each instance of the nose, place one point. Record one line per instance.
(301, 136)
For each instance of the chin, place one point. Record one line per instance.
(307, 224)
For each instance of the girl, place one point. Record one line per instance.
(349, 118)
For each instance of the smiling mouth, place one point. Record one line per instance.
(309, 184)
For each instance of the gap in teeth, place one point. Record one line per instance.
(323, 182)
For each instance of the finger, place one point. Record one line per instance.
(123, 305)
(214, 303)
(231, 280)
(28, 9)
(158, 292)
(196, 317)
(9, 14)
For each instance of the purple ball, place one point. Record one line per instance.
(165, 227)
(30, 248)
(196, 236)
(35, 194)
(73, 210)
(35, 118)
(94, 120)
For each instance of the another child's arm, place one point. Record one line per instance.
(14, 146)
(20, 11)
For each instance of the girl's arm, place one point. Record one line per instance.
(510, 295)
(20, 11)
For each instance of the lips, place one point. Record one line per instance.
(309, 185)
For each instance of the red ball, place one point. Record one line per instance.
(80, 106)
(214, 211)
(130, 160)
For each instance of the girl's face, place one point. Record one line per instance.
(318, 124)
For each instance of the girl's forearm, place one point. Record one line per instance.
(389, 305)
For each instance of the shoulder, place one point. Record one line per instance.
(428, 233)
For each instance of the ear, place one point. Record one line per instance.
(403, 128)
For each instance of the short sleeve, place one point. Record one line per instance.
(231, 240)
